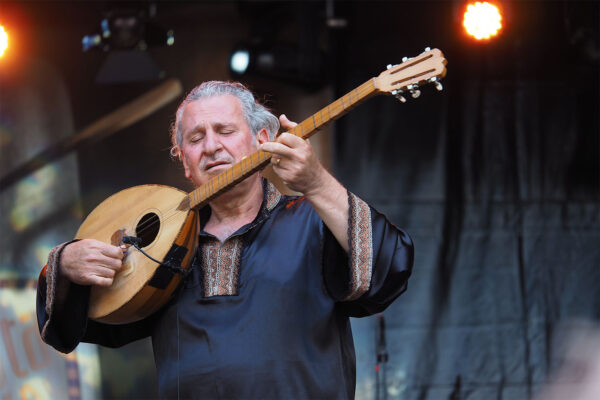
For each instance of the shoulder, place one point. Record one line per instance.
(296, 210)
(275, 202)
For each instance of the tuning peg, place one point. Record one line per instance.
(404, 59)
(389, 66)
(427, 48)
(398, 94)
(414, 90)
(437, 83)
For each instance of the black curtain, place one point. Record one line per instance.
(496, 179)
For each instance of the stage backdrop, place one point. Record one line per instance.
(497, 181)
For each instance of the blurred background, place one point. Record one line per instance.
(496, 178)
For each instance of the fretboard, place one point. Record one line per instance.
(259, 159)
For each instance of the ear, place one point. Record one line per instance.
(262, 136)
(186, 166)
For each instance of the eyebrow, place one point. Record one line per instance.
(220, 125)
(193, 130)
(216, 126)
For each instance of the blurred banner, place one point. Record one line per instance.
(30, 369)
(38, 212)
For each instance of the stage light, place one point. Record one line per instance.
(125, 33)
(240, 59)
(170, 38)
(3, 40)
(128, 29)
(482, 20)
(90, 41)
(281, 61)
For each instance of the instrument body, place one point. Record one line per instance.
(152, 212)
(166, 219)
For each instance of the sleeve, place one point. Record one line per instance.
(63, 322)
(377, 266)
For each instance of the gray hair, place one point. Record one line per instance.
(257, 116)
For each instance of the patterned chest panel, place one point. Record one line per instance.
(221, 262)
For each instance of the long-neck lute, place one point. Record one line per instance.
(161, 221)
(397, 80)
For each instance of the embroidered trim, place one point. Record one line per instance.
(221, 264)
(360, 238)
(221, 261)
(272, 195)
(51, 274)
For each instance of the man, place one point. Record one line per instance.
(264, 311)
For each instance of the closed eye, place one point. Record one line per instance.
(196, 138)
(225, 129)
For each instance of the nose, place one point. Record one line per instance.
(212, 144)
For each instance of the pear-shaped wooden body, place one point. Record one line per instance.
(161, 216)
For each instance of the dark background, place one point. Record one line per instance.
(496, 178)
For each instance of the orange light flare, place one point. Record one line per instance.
(16, 41)
(482, 20)
(3, 40)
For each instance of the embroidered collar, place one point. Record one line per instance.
(271, 197)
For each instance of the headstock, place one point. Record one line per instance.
(427, 67)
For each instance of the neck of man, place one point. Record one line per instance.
(235, 208)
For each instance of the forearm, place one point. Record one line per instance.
(330, 201)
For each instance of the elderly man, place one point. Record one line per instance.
(264, 312)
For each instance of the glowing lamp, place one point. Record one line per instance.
(3, 40)
(482, 20)
(239, 62)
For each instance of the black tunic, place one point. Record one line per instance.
(263, 315)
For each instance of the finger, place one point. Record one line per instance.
(100, 280)
(291, 140)
(275, 160)
(101, 262)
(286, 123)
(111, 251)
(113, 264)
(103, 271)
(278, 150)
(97, 270)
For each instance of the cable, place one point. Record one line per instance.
(136, 241)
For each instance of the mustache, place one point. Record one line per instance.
(225, 158)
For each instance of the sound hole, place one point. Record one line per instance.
(147, 228)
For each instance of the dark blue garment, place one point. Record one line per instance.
(283, 332)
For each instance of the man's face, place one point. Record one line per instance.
(215, 136)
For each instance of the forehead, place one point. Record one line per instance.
(222, 109)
